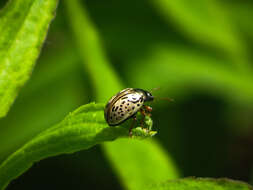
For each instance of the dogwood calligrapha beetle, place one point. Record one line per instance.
(126, 104)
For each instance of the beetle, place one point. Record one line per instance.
(126, 104)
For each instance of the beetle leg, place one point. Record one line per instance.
(147, 108)
(143, 113)
(143, 117)
(132, 125)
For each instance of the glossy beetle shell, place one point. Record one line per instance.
(125, 104)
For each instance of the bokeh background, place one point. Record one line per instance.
(198, 52)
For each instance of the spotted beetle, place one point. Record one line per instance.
(126, 104)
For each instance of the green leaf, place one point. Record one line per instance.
(81, 129)
(206, 22)
(23, 28)
(145, 163)
(178, 68)
(55, 88)
(242, 15)
(202, 184)
(91, 51)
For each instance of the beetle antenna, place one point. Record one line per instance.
(165, 98)
(161, 98)
(154, 89)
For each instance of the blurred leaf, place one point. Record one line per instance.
(242, 15)
(202, 183)
(150, 163)
(81, 129)
(103, 77)
(42, 109)
(55, 88)
(178, 68)
(23, 27)
(54, 65)
(206, 22)
(107, 83)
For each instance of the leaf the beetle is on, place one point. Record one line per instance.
(81, 129)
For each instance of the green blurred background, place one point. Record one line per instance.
(198, 52)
